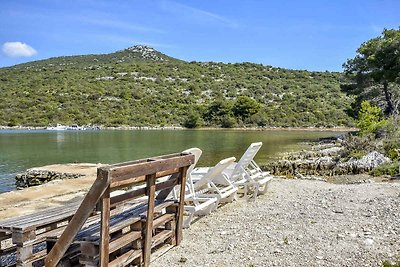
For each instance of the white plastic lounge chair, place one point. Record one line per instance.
(245, 174)
(248, 174)
(215, 182)
(196, 205)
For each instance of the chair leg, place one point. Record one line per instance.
(212, 208)
(230, 198)
(264, 188)
(186, 223)
(246, 189)
(256, 192)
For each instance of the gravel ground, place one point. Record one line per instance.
(298, 223)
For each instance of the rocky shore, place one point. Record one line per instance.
(34, 177)
(326, 159)
(298, 223)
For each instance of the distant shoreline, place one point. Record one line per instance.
(311, 129)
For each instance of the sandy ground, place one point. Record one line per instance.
(54, 193)
(298, 223)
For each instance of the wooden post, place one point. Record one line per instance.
(179, 219)
(24, 242)
(24, 253)
(151, 189)
(105, 229)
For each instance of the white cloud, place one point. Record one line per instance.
(18, 49)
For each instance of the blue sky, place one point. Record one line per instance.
(313, 35)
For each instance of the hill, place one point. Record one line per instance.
(140, 86)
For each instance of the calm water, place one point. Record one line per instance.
(20, 150)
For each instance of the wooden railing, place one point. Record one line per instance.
(144, 176)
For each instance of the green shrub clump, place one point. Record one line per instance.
(369, 119)
(391, 169)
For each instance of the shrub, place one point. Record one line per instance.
(391, 169)
(356, 146)
(193, 120)
(392, 148)
(369, 118)
(228, 122)
(357, 154)
(388, 264)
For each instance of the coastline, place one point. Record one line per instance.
(311, 129)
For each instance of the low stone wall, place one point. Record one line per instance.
(38, 177)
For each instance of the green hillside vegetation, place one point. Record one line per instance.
(142, 87)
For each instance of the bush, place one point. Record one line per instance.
(369, 119)
(358, 146)
(244, 107)
(392, 148)
(391, 169)
(388, 264)
(228, 122)
(193, 120)
(357, 154)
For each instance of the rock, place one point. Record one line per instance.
(34, 177)
(366, 163)
(368, 242)
(331, 151)
(324, 160)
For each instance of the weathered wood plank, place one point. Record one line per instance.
(170, 183)
(179, 219)
(161, 237)
(40, 219)
(33, 258)
(159, 206)
(128, 195)
(135, 193)
(122, 164)
(23, 238)
(120, 173)
(126, 258)
(163, 219)
(105, 229)
(163, 194)
(124, 240)
(151, 187)
(132, 180)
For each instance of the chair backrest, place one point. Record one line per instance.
(197, 154)
(245, 160)
(189, 181)
(214, 172)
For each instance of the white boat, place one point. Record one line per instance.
(75, 127)
(59, 127)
